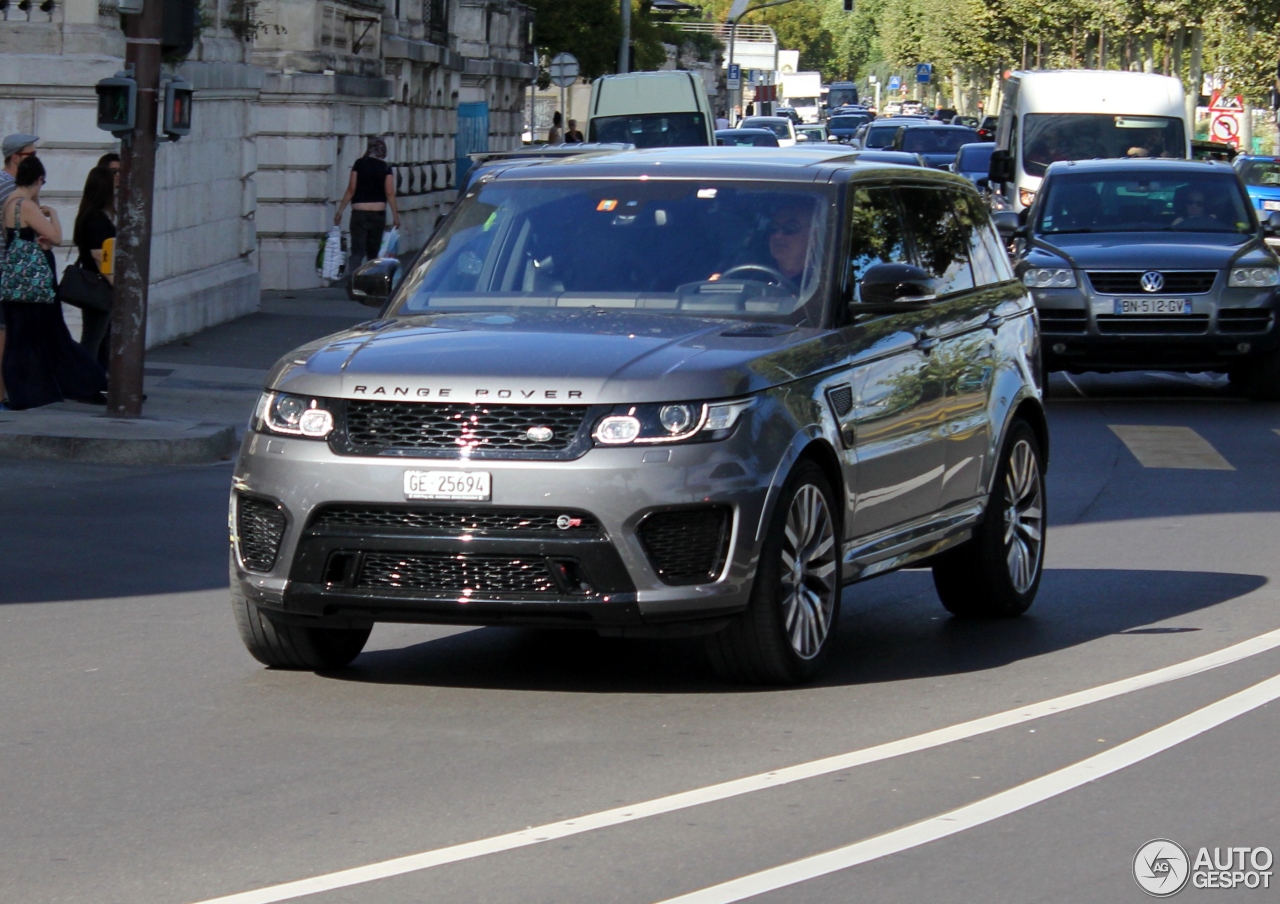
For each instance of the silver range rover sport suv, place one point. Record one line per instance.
(670, 391)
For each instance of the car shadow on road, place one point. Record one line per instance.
(892, 629)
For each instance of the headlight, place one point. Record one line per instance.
(1026, 196)
(292, 415)
(1253, 277)
(671, 422)
(1049, 278)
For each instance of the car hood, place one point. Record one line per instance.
(1270, 192)
(937, 160)
(1137, 251)
(587, 356)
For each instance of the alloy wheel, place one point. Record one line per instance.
(1023, 516)
(809, 589)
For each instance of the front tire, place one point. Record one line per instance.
(785, 633)
(997, 572)
(1262, 383)
(283, 646)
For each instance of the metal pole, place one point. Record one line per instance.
(735, 96)
(624, 50)
(133, 243)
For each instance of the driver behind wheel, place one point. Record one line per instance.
(788, 231)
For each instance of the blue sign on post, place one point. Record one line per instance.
(924, 72)
(734, 82)
(895, 83)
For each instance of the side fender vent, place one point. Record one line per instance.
(841, 400)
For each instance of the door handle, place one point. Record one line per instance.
(925, 342)
(994, 322)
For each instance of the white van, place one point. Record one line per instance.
(651, 110)
(1082, 114)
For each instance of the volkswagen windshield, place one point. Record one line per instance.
(693, 248)
(1123, 202)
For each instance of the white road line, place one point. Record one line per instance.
(994, 807)
(760, 782)
(1170, 447)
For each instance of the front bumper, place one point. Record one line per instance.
(604, 578)
(1227, 327)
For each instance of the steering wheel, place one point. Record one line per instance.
(777, 277)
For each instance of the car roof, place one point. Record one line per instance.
(800, 164)
(742, 130)
(765, 119)
(1121, 164)
(1247, 157)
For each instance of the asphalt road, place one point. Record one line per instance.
(145, 757)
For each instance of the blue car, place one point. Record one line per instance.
(973, 161)
(937, 144)
(844, 125)
(1261, 177)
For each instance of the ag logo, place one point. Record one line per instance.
(1152, 281)
(1161, 868)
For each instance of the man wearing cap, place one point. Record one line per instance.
(16, 148)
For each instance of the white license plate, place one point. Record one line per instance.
(1271, 205)
(473, 485)
(1153, 306)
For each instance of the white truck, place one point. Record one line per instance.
(802, 91)
(1082, 114)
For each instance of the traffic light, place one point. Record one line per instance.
(179, 28)
(177, 108)
(117, 103)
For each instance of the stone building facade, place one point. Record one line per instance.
(287, 93)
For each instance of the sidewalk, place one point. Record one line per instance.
(200, 390)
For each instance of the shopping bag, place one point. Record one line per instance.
(334, 258)
(390, 243)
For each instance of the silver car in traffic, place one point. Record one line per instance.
(688, 391)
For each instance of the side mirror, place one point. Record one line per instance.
(373, 282)
(1272, 224)
(835, 138)
(1007, 223)
(982, 182)
(1001, 169)
(1022, 216)
(895, 286)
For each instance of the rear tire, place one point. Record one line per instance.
(282, 646)
(996, 573)
(785, 633)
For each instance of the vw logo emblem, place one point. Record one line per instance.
(539, 434)
(1152, 281)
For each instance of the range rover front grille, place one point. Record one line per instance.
(461, 574)
(420, 519)
(687, 546)
(260, 527)
(1129, 282)
(372, 427)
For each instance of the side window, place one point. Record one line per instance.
(940, 230)
(999, 256)
(984, 265)
(876, 234)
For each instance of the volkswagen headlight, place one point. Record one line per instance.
(1253, 277)
(1049, 278)
(292, 415)
(670, 422)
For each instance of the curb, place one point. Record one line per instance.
(178, 442)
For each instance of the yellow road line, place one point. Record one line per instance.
(1170, 447)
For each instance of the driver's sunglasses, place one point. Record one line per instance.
(789, 227)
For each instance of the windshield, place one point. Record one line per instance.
(1261, 172)
(846, 122)
(1050, 137)
(776, 126)
(651, 130)
(696, 248)
(880, 136)
(936, 141)
(838, 97)
(743, 138)
(975, 159)
(1125, 202)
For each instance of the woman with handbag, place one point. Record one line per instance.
(42, 363)
(84, 284)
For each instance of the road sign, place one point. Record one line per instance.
(734, 82)
(1222, 103)
(895, 83)
(564, 70)
(1226, 121)
(924, 72)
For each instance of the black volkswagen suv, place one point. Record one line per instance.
(1150, 264)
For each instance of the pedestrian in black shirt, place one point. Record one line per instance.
(371, 188)
(573, 135)
(94, 225)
